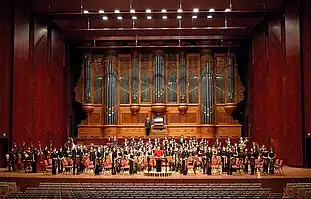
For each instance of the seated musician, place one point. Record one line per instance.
(158, 155)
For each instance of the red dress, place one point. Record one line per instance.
(158, 154)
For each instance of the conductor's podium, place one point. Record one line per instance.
(158, 174)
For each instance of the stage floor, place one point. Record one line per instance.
(275, 182)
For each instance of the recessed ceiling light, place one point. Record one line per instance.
(134, 17)
(179, 10)
(211, 10)
(164, 17)
(148, 11)
(228, 10)
(163, 10)
(105, 17)
(194, 17)
(179, 17)
(119, 17)
(149, 17)
(116, 11)
(209, 16)
(85, 12)
(132, 11)
(101, 11)
(196, 10)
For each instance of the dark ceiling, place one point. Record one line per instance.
(239, 23)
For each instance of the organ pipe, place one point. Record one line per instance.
(88, 78)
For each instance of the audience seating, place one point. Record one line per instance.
(298, 190)
(146, 190)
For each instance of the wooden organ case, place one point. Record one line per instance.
(189, 94)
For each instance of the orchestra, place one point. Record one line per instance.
(138, 155)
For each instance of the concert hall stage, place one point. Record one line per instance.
(275, 182)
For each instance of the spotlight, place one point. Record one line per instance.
(194, 17)
(212, 10)
(132, 11)
(148, 11)
(179, 10)
(105, 18)
(101, 11)
(149, 17)
(163, 10)
(228, 10)
(209, 16)
(86, 12)
(134, 17)
(196, 10)
(179, 17)
(164, 17)
(119, 17)
(116, 11)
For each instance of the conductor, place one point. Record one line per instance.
(147, 126)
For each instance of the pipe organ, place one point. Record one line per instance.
(192, 93)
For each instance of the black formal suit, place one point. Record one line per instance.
(147, 127)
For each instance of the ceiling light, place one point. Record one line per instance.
(212, 10)
(164, 17)
(196, 10)
(149, 17)
(85, 12)
(116, 11)
(163, 10)
(179, 17)
(101, 11)
(148, 11)
(105, 17)
(134, 17)
(132, 11)
(119, 17)
(209, 16)
(194, 17)
(228, 10)
(179, 10)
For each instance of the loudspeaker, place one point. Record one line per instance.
(308, 152)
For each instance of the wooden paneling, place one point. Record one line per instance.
(91, 132)
(6, 23)
(40, 111)
(275, 109)
(227, 131)
(306, 47)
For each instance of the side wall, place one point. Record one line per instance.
(275, 86)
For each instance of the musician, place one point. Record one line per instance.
(252, 161)
(230, 161)
(131, 161)
(60, 157)
(54, 159)
(46, 153)
(264, 153)
(147, 126)
(184, 166)
(224, 161)
(34, 160)
(115, 140)
(158, 155)
(209, 156)
(271, 157)
(98, 167)
(114, 156)
(12, 160)
(246, 160)
(74, 156)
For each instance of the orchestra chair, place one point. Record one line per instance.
(216, 165)
(258, 166)
(125, 165)
(107, 166)
(47, 167)
(68, 165)
(279, 167)
(90, 167)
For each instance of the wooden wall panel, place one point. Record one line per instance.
(275, 110)
(40, 98)
(6, 23)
